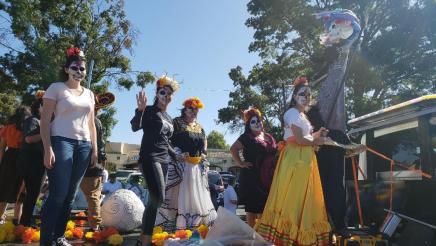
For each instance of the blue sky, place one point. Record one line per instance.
(198, 40)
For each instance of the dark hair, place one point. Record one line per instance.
(157, 89)
(34, 108)
(21, 113)
(182, 112)
(247, 128)
(296, 89)
(68, 61)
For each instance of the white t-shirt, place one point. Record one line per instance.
(230, 194)
(105, 176)
(294, 117)
(71, 113)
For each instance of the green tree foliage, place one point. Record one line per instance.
(43, 30)
(215, 140)
(8, 104)
(393, 61)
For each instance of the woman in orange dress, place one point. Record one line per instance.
(10, 176)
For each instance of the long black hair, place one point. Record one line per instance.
(34, 108)
(21, 113)
(296, 89)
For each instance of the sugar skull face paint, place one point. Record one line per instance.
(303, 96)
(164, 95)
(76, 71)
(256, 124)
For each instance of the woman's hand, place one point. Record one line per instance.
(141, 101)
(322, 132)
(94, 159)
(246, 164)
(49, 158)
(321, 140)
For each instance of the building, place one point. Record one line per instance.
(122, 155)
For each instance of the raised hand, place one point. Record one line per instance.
(141, 100)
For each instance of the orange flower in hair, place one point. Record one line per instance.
(194, 102)
(249, 113)
(39, 94)
(167, 81)
(300, 80)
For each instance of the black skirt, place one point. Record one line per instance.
(251, 192)
(10, 176)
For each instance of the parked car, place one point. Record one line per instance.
(123, 174)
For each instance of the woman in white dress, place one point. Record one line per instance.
(187, 202)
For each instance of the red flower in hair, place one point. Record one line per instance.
(249, 113)
(74, 51)
(300, 80)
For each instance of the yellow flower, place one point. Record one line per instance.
(9, 227)
(69, 234)
(157, 229)
(188, 233)
(71, 225)
(115, 239)
(36, 236)
(89, 235)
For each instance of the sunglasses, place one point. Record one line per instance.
(76, 68)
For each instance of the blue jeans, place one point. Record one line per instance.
(72, 158)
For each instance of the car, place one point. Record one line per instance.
(137, 176)
(123, 174)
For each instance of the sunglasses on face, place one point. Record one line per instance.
(76, 68)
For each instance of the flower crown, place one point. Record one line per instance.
(74, 51)
(39, 94)
(249, 113)
(167, 81)
(194, 102)
(300, 80)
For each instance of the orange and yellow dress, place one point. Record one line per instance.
(295, 212)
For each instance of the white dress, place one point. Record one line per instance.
(187, 203)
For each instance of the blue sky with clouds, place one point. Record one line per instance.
(199, 41)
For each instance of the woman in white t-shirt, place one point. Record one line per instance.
(69, 144)
(295, 213)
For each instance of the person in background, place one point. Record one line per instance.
(230, 197)
(91, 184)
(138, 188)
(70, 144)
(32, 160)
(111, 186)
(215, 188)
(11, 181)
(259, 152)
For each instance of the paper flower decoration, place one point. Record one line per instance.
(194, 102)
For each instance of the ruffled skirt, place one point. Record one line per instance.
(187, 203)
(295, 212)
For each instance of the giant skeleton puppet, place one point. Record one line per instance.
(341, 30)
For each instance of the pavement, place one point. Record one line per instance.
(130, 238)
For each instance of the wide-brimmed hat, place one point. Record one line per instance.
(104, 100)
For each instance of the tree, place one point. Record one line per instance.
(8, 104)
(395, 54)
(215, 140)
(45, 29)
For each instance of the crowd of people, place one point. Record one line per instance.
(60, 137)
